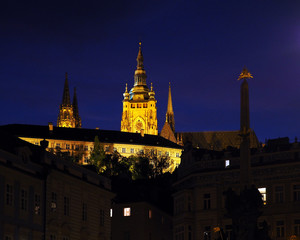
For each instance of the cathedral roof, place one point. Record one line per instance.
(167, 132)
(88, 135)
(218, 140)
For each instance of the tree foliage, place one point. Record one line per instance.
(141, 166)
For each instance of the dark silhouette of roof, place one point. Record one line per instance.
(83, 134)
(218, 140)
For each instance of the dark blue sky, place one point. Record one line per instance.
(199, 46)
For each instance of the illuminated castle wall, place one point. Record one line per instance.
(139, 105)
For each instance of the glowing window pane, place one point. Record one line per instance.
(263, 192)
(111, 212)
(127, 212)
(227, 163)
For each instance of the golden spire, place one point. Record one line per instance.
(140, 59)
(245, 74)
(126, 94)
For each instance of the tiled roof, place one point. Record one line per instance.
(218, 140)
(88, 135)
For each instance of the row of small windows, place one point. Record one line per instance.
(159, 153)
(179, 206)
(71, 146)
(127, 212)
(24, 201)
(139, 105)
(66, 208)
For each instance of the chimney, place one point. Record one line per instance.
(50, 124)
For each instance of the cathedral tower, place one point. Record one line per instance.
(139, 104)
(168, 130)
(66, 114)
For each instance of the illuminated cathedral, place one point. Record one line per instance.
(139, 104)
(68, 112)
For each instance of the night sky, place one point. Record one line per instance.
(199, 46)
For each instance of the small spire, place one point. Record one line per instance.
(170, 113)
(170, 105)
(76, 111)
(66, 94)
(245, 74)
(126, 88)
(140, 58)
(151, 88)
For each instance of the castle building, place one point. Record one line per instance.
(68, 112)
(139, 104)
(79, 142)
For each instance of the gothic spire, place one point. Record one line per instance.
(75, 110)
(140, 58)
(170, 113)
(66, 94)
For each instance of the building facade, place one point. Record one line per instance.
(204, 176)
(139, 105)
(44, 197)
(140, 220)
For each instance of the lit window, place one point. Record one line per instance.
(85, 159)
(107, 149)
(159, 153)
(127, 212)
(123, 150)
(67, 146)
(227, 163)
(167, 153)
(76, 147)
(263, 192)
(177, 154)
(111, 212)
(150, 213)
(131, 150)
(86, 148)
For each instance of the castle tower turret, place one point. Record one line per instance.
(139, 105)
(66, 115)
